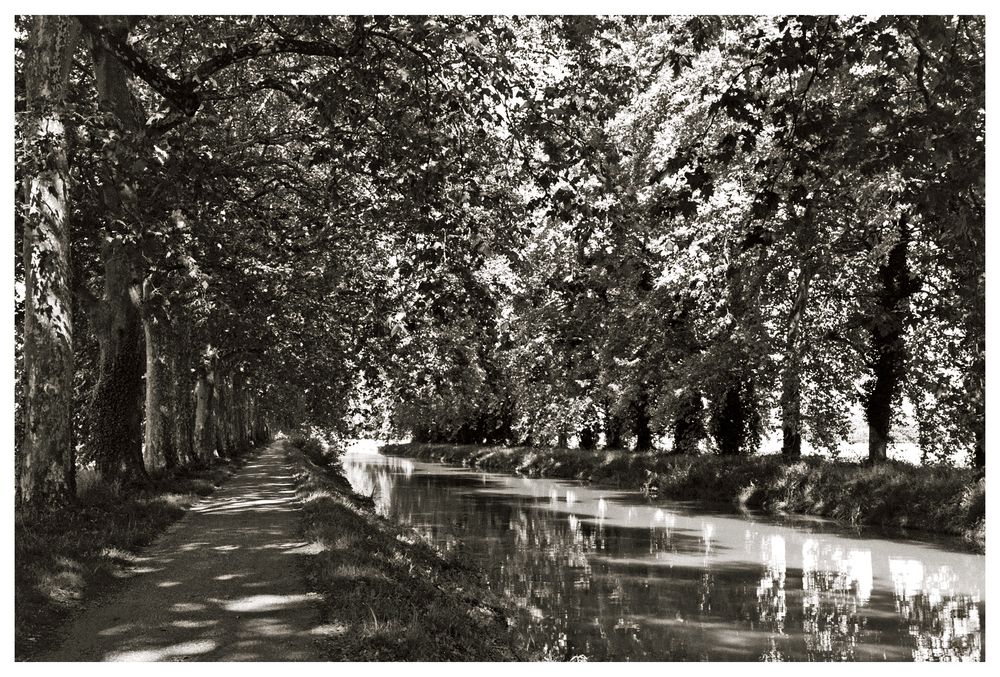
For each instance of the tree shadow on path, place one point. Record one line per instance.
(224, 584)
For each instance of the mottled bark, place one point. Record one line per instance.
(241, 436)
(158, 451)
(222, 416)
(791, 410)
(116, 413)
(791, 375)
(111, 78)
(46, 472)
(204, 426)
(250, 418)
(116, 404)
(184, 401)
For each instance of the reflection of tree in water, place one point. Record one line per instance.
(771, 606)
(545, 563)
(831, 624)
(835, 584)
(601, 596)
(377, 482)
(944, 626)
(551, 568)
(945, 630)
(656, 590)
(706, 588)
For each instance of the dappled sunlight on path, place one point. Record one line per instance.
(224, 584)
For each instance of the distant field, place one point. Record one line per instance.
(855, 448)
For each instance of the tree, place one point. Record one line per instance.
(504, 228)
(46, 473)
(797, 117)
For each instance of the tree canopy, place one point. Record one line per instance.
(672, 233)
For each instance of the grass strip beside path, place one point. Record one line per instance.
(892, 495)
(67, 559)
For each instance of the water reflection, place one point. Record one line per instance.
(943, 621)
(611, 576)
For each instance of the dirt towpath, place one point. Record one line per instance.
(223, 584)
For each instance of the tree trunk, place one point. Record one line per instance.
(220, 419)
(976, 381)
(116, 405)
(689, 424)
(791, 412)
(791, 377)
(979, 453)
(204, 426)
(887, 344)
(159, 451)
(878, 408)
(251, 419)
(263, 422)
(588, 436)
(222, 416)
(241, 438)
(46, 472)
(612, 429)
(184, 405)
(643, 431)
(116, 414)
(734, 418)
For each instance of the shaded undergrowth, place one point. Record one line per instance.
(70, 557)
(890, 495)
(388, 594)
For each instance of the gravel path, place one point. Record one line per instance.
(223, 584)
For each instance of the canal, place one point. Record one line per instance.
(605, 574)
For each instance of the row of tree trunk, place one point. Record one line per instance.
(157, 403)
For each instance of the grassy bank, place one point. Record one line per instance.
(893, 495)
(67, 559)
(388, 595)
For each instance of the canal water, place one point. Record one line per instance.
(604, 574)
